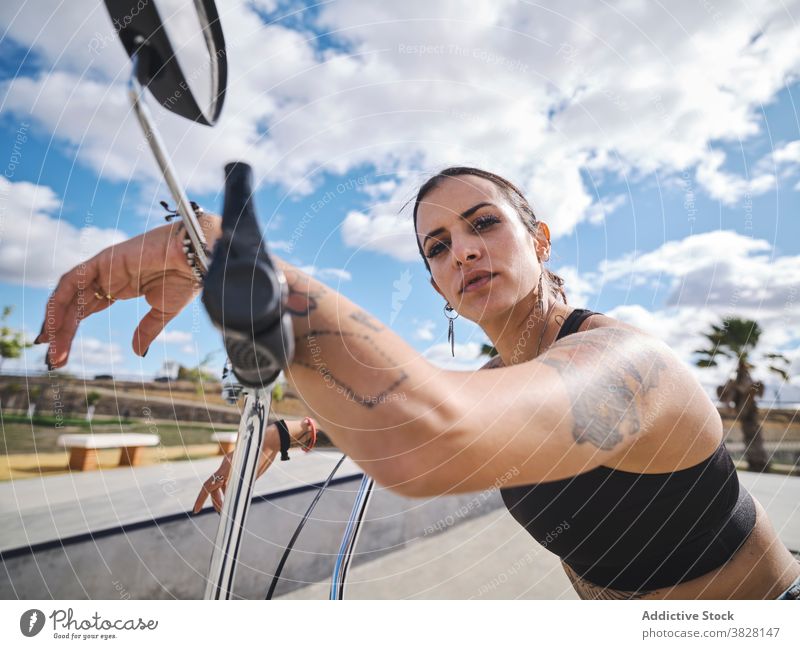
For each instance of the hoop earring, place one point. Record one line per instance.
(451, 338)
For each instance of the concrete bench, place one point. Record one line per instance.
(226, 441)
(83, 448)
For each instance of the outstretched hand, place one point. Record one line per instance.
(152, 264)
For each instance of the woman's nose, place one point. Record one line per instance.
(465, 251)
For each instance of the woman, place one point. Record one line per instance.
(613, 449)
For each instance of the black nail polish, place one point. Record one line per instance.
(145, 352)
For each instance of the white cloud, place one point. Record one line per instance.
(425, 330)
(712, 276)
(37, 247)
(93, 354)
(279, 244)
(88, 356)
(325, 274)
(720, 269)
(578, 287)
(789, 152)
(383, 231)
(784, 161)
(604, 207)
(175, 336)
(78, 40)
(467, 356)
(728, 187)
(522, 89)
(557, 194)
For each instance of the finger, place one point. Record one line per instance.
(216, 499)
(201, 498)
(61, 342)
(151, 325)
(65, 293)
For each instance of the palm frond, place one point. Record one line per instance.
(780, 371)
(706, 363)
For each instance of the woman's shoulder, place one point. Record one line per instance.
(598, 320)
(492, 363)
(594, 321)
(613, 332)
(694, 431)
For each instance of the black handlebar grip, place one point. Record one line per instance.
(243, 292)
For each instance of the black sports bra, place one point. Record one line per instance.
(636, 532)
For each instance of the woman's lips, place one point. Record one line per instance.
(478, 284)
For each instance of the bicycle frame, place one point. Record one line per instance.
(236, 504)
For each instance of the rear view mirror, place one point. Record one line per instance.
(179, 53)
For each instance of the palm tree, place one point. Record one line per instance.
(737, 338)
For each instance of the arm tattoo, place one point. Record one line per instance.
(607, 406)
(380, 390)
(588, 590)
(368, 388)
(364, 318)
(301, 302)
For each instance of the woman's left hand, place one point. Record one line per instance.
(216, 485)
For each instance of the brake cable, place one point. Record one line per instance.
(300, 527)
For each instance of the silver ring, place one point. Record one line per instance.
(217, 478)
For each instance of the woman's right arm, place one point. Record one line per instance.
(416, 428)
(375, 395)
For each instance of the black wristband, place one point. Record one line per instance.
(286, 440)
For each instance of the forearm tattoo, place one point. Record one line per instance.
(606, 388)
(302, 303)
(386, 381)
(377, 376)
(365, 319)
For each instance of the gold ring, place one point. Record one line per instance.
(108, 297)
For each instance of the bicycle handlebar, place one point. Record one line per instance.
(244, 292)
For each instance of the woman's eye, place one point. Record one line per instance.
(478, 225)
(483, 222)
(435, 249)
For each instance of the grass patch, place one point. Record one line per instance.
(38, 465)
(25, 437)
(50, 420)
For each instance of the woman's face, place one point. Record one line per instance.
(469, 231)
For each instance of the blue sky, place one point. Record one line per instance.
(663, 149)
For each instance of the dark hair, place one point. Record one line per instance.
(515, 198)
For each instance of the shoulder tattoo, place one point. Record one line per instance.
(608, 373)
